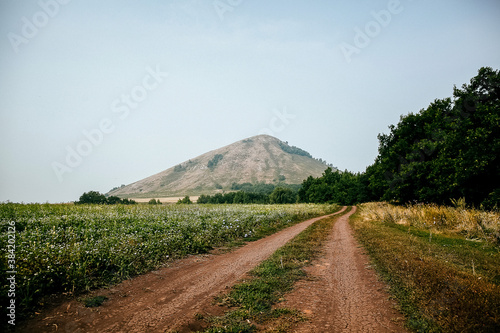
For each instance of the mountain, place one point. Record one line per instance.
(259, 159)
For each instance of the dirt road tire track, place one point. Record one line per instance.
(167, 298)
(343, 293)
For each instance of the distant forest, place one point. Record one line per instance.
(449, 150)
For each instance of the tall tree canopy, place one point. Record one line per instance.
(449, 150)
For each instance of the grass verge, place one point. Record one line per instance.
(442, 281)
(251, 302)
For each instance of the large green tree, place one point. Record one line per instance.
(92, 197)
(449, 150)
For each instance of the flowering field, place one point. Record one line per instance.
(72, 248)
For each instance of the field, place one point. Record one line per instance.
(441, 263)
(74, 248)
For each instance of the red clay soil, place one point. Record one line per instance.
(343, 293)
(163, 300)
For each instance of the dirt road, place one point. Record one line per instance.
(165, 299)
(343, 293)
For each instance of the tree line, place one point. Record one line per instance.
(261, 194)
(94, 197)
(279, 195)
(449, 150)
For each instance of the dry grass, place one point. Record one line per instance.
(441, 263)
(472, 223)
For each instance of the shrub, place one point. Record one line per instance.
(154, 202)
(186, 200)
(214, 161)
(113, 200)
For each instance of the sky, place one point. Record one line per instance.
(95, 94)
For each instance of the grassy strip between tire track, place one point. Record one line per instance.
(251, 301)
(443, 282)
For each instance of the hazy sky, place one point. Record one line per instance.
(95, 94)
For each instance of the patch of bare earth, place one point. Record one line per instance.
(342, 293)
(163, 300)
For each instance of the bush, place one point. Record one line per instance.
(214, 161)
(113, 200)
(186, 200)
(154, 202)
(179, 168)
(128, 202)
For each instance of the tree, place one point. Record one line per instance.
(203, 199)
(282, 195)
(186, 200)
(113, 200)
(448, 151)
(92, 197)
